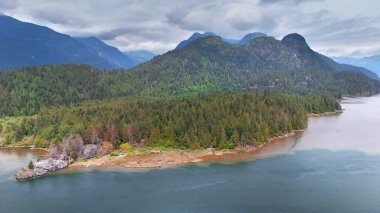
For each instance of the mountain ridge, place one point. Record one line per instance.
(242, 41)
(370, 62)
(27, 44)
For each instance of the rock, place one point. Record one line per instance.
(51, 164)
(26, 174)
(90, 151)
(41, 168)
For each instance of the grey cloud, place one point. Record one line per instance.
(294, 2)
(8, 4)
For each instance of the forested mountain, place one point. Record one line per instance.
(209, 64)
(25, 44)
(203, 66)
(371, 63)
(258, 90)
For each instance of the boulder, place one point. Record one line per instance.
(51, 164)
(89, 151)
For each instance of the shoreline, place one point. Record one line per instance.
(315, 115)
(175, 158)
(183, 157)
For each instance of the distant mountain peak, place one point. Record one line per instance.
(140, 56)
(204, 34)
(252, 36)
(193, 37)
(247, 38)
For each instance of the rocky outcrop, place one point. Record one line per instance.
(70, 149)
(51, 164)
(89, 151)
(42, 168)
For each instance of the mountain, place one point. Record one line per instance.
(194, 37)
(140, 56)
(347, 67)
(205, 65)
(25, 44)
(244, 40)
(251, 36)
(116, 58)
(372, 63)
(208, 64)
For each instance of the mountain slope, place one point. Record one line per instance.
(205, 65)
(116, 58)
(347, 67)
(209, 64)
(140, 56)
(371, 63)
(25, 44)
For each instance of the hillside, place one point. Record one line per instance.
(25, 44)
(273, 83)
(115, 57)
(209, 64)
(205, 66)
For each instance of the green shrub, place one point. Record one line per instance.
(114, 153)
(126, 146)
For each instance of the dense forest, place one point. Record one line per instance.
(218, 120)
(26, 91)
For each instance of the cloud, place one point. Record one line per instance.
(295, 2)
(8, 4)
(145, 24)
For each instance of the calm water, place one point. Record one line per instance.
(333, 167)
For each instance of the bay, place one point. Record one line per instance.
(334, 166)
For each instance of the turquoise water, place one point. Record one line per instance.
(333, 167)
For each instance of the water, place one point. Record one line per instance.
(333, 167)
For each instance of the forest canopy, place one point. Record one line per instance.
(223, 120)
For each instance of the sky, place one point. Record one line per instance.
(332, 27)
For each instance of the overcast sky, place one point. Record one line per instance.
(332, 27)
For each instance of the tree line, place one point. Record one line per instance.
(222, 120)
